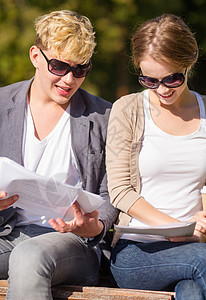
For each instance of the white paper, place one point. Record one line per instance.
(43, 196)
(172, 229)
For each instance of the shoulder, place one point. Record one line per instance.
(203, 97)
(94, 101)
(93, 107)
(129, 101)
(11, 90)
(128, 104)
(127, 115)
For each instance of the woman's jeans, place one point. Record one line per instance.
(40, 257)
(162, 266)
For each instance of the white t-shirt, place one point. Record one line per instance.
(52, 157)
(172, 170)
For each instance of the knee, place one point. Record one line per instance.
(188, 289)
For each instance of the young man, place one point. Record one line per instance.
(52, 127)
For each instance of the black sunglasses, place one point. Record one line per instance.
(172, 81)
(61, 68)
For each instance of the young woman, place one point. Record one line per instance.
(156, 164)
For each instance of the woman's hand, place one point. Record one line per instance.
(85, 225)
(6, 202)
(199, 234)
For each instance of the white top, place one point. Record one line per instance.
(52, 157)
(172, 170)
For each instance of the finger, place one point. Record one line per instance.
(200, 230)
(203, 213)
(202, 236)
(59, 225)
(78, 215)
(2, 194)
(51, 222)
(199, 215)
(13, 198)
(76, 208)
(93, 214)
(177, 239)
(9, 199)
(201, 226)
(5, 203)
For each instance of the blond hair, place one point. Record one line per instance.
(68, 34)
(166, 39)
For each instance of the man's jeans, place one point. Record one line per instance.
(40, 258)
(161, 266)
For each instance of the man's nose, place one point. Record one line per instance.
(69, 77)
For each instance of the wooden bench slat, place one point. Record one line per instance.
(70, 292)
(97, 293)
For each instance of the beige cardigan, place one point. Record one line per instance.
(126, 125)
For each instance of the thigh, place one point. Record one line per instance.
(158, 265)
(10, 241)
(5, 250)
(62, 258)
(75, 263)
(7, 244)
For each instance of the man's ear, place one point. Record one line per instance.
(34, 55)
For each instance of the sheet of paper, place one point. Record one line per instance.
(172, 229)
(43, 196)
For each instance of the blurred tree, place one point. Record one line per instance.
(114, 22)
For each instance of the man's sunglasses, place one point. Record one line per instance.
(172, 81)
(61, 68)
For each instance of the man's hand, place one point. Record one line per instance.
(5, 203)
(199, 234)
(85, 225)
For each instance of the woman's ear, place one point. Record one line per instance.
(34, 55)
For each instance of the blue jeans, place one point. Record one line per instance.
(39, 258)
(161, 266)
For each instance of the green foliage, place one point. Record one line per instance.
(114, 22)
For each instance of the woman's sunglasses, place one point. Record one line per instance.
(172, 81)
(61, 68)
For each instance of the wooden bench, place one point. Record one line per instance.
(97, 293)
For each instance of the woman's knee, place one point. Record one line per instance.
(188, 289)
